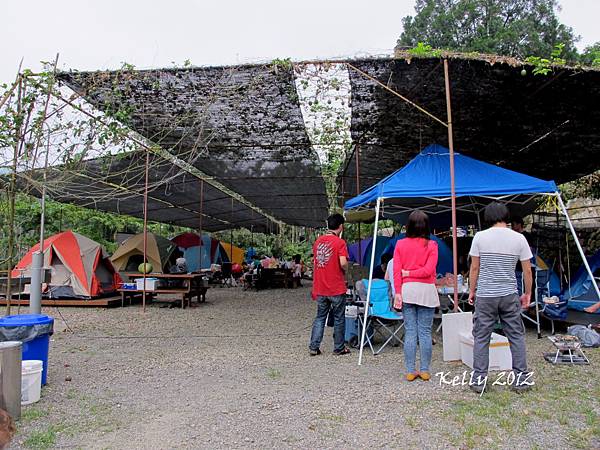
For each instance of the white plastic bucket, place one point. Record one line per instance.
(31, 381)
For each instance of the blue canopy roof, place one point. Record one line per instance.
(428, 175)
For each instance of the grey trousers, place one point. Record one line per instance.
(487, 312)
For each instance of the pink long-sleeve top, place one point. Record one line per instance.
(417, 255)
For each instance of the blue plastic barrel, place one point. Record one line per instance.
(34, 331)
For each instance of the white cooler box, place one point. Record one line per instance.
(500, 356)
(151, 284)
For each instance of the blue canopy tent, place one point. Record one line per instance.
(425, 184)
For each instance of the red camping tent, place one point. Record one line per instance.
(79, 266)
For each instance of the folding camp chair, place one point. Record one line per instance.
(381, 316)
(541, 290)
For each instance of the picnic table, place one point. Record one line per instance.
(272, 277)
(185, 285)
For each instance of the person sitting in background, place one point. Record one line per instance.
(180, 266)
(379, 271)
(592, 309)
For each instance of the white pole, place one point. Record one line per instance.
(585, 262)
(374, 243)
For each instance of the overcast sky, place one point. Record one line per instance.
(101, 34)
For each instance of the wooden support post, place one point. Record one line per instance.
(452, 185)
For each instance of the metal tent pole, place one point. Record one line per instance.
(585, 262)
(357, 159)
(364, 327)
(200, 234)
(452, 185)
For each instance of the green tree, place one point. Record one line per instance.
(517, 28)
(591, 55)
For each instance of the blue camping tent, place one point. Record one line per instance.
(353, 255)
(582, 293)
(365, 250)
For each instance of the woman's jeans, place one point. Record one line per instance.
(418, 321)
(337, 305)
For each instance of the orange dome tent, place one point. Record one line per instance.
(79, 267)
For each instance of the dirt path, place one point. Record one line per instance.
(235, 373)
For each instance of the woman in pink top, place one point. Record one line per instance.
(415, 259)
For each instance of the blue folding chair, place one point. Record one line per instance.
(386, 321)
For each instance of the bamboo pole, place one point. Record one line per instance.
(452, 186)
(357, 159)
(145, 229)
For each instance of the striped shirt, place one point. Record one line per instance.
(499, 249)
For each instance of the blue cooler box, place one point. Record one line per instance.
(34, 331)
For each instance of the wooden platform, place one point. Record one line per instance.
(105, 302)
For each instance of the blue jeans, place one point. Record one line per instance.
(417, 321)
(337, 305)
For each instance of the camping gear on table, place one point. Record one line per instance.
(34, 331)
(10, 378)
(130, 254)
(79, 267)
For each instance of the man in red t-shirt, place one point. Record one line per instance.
(329, 285)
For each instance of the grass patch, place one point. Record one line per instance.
(41, 440)
(274, 374)
(32, 413)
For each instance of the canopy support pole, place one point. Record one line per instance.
(146, 169)
(231, 236)
(200, 234)
(364, 324)
(452, 186)
(357, 159)
(585, 261)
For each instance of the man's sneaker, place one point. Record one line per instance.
(520, 388)
(344, 351)
(477, 388)
(312, 352)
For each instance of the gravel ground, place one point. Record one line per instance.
(235, 373)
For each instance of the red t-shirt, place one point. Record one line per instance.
(328, 275)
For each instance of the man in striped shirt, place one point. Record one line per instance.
(494, 255)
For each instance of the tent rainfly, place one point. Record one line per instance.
(424, 183)
(131, 253)
(79, 267)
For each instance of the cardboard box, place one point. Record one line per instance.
(500, 355)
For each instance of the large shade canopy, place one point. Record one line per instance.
(545, 126)
(239, 128)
